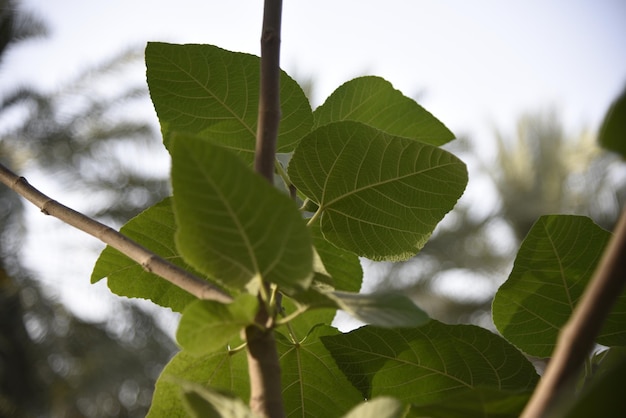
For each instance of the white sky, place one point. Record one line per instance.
(475, 64)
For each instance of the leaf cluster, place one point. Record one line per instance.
(371, 181)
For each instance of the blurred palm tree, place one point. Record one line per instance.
(17, 25)
(87, 136)
(543, 171)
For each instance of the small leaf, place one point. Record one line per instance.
(233, 225)
(214, 93)
(208, 326)
(379, 196)
(381, 309)
(313, 386)
(613, 130)
(552, 269)
(203, 402)
(154, 228)
(223, 370)
(381, 407)
(430, 363)
(373, 101)
(475, 403)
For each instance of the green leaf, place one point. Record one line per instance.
(214, 93)
(234, 225)
(342, 266)
(552, 269)
(613, 130)
(379, 196)
(475, 403)
(373, 101)
(430, 363)
(222, 370)
(207, 326)
(203, 402)
(381, 407)
(313, 386)
(154, 228)
(381, 309)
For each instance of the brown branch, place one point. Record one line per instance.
(269, 99)
(146, 258)
(263, 364)
(577, 337)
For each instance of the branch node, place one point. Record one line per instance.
(44, 205)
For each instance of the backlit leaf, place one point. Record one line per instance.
(430, 363)
(381, 309)
(381, 407)
(313, 386)
(379, 196)
(373, 101)
(154, 229)
(342, 266)
(208, 326)
(552, 269)
(221, 370)
(234, 225)
(204, 402)
(214, 93)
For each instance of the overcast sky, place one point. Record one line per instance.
(474, 64)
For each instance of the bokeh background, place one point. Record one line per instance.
(524, 84)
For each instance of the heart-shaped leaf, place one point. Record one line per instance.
(234, 225)
(379, 196)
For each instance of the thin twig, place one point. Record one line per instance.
(150, 261)
(577, 337)
(263, 364)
